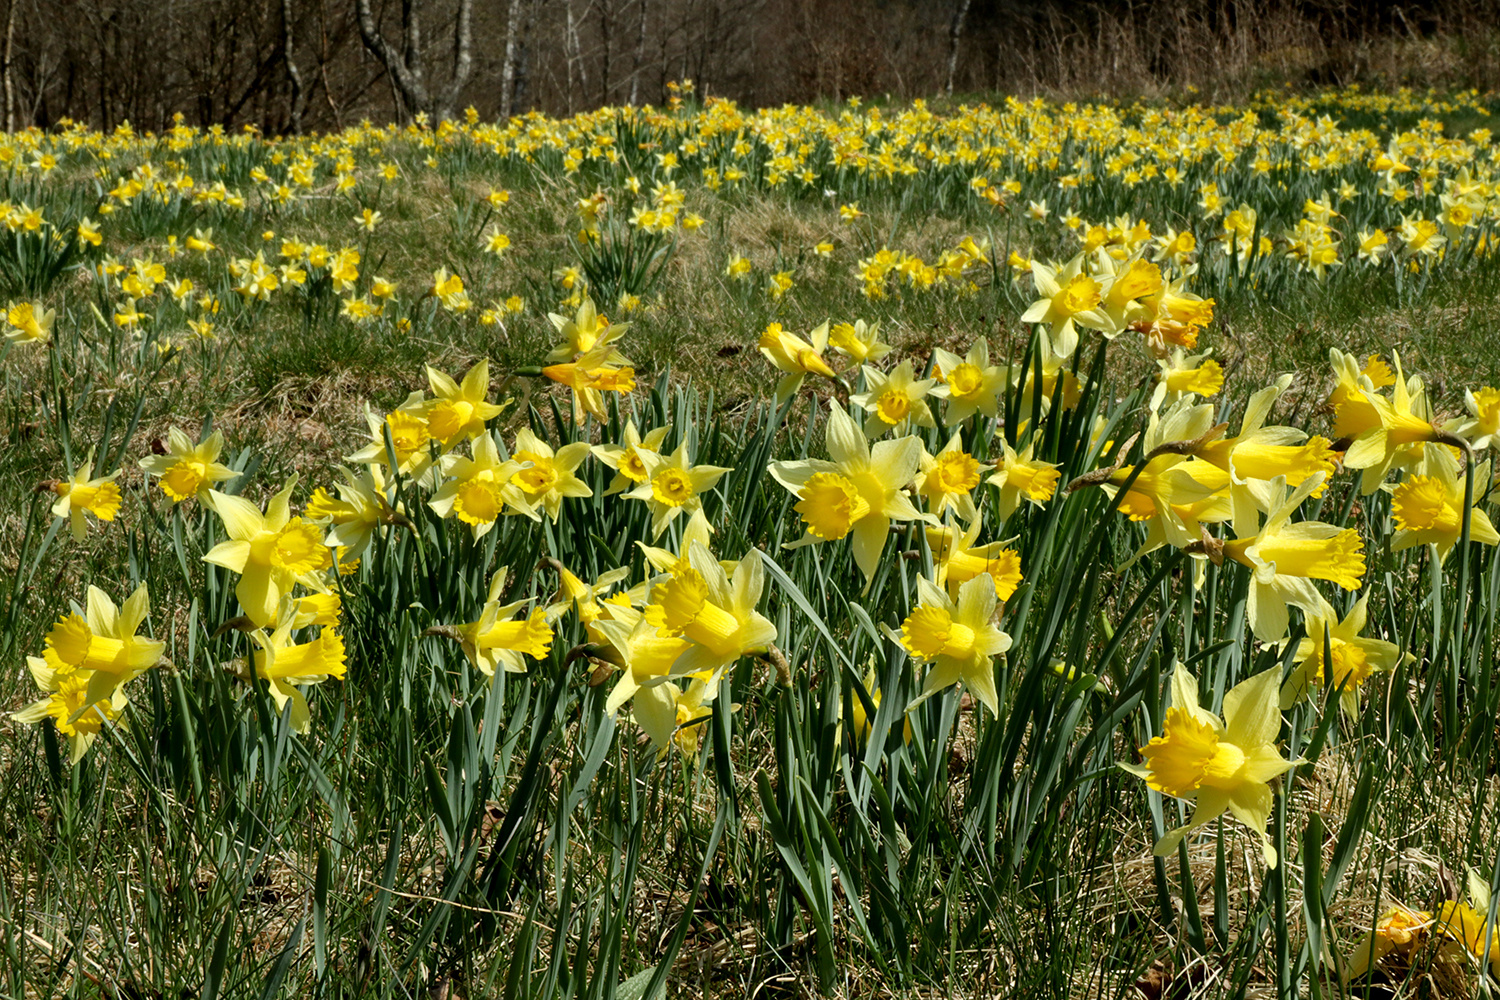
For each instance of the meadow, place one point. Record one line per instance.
(964, 549)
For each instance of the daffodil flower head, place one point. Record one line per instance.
(1019, 477)
(896, 401)
(673, 485)
(970, 384)
(714, 611)
(795, 356)
(1429, 509)
(497, 640)
(409, 436)
(948, 479)
(858, 490)
(285, 665)
(188, 470)
(547, 476)
(478, 489)
(1351, 658)
(99, 643)
(360, 510)
(83, 493)
(957, 639)
(625, 457)
(1285, 557)
(1069, 297)
(587, 332)
(957, 558)
(271, 552)
(1216, 764)
(68, 706)
(459, 411)
(858, 341)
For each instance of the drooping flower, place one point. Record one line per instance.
(285, 665)
(1218, 765)
(496, 640)
(795, 356)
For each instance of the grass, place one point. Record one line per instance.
(436, 830)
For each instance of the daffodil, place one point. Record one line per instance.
(795, 356)
(29, 323)
(67, 704)
(1183, 374)
(286, 665)
(947, 479)
(969, 384)
(588, 599)
(188, 470)
(272, 552)
(353, 517)
(1400, 437)
(648, 658)
(99, 643)
(858, 490)
(448, 289)
(83, 493)
(1068, 297)
(1019, 476)
(858, 341)
(588, 376)
(499, 641)
(1285, 557)
(1352, 658)
(1219, 765)
(957, 558)
(1429, 510)
(459, 411)
(479, 488)
(896, 401)
(409, 437)
(546, 476)
(673, 485)
(587, 332)
(714, 611)
(1481, 427)
(625, 457)
(958, 640)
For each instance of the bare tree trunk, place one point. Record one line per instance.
(10, 88)
(606, 35)
(293, 75)
(405, 67)
(406, 78)
(508, 71)
(955, 32)
(640, 57)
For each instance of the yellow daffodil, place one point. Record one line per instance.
(858, 341)
(625, 457)
(896, 401)
(714, 611)
(957, 559)
(479, 488)
(1219, 765)
(1019, 476)
(67, 704)
(286, 665)
(354, 516)
(409, 437)
(588, 376)
(857, 491)
(1429, 510)
(271, 552)
(587, 332)
(1069, 297)
(459, 411)
(957, 639)
(99, 643)
(1352, 658)
(948, 479)
(188, 470)
(29, 323)
(546, 476)
(83, 493)
(497, 641)
(795, 356)
(969, 384)
(672, 485)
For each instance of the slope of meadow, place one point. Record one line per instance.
(891, 550)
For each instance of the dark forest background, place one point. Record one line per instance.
(301, 65)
